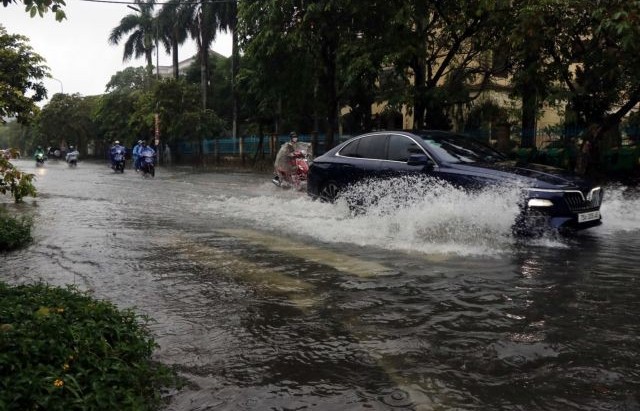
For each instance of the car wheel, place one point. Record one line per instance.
(329, 192)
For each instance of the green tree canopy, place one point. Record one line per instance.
(21, 72)
(584, 54)
(295, 54)
(68, 119)
(129, 79)
(181, 117)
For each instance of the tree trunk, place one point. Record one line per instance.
(260, 148)
(529, 103)
(174, 56)
(149, 57)
(592, 140)
(529, 111)
(235, 66)
(329, 80)
(585, 152)
(419, 106)
(203, 78)
(203, 51)
(316, 120)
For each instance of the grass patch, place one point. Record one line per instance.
(14, 232)
(63, 350)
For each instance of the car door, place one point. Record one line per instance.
(361, 159)
(400, 148)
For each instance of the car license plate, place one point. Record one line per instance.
(590, 216)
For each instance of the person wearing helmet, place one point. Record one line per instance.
(146, 151)
(136, 155)
(39, 153)
(39, 156)
(72, 154)
(117, 150)
(39, 150)
(292, 145)
(285, 159)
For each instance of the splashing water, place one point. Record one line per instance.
(414, 214)
(620, 209)
(409, 214)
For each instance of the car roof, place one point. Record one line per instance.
(413, 132)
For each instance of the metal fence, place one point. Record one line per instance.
(227, 146)
(550, 148)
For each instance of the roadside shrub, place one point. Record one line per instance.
(14, 232)
(15, 182)
(62, 350)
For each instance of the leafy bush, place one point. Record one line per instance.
(16, 182)
(14, 232)
(62, 350)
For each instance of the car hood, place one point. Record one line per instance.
(534, 175)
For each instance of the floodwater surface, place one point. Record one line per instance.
(266, 300)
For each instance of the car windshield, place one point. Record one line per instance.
(461, 149)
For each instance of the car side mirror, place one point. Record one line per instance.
(420, 160)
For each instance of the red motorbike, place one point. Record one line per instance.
(291, 170)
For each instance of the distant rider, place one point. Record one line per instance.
(73, 152)
(115, 150)
(146, 151)
(39, 151)
(136, 155)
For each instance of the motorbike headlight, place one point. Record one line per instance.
(539, 202)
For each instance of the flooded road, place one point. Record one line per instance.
(266, 300)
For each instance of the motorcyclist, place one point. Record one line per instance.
(136, 155)
(291, 145)
(115, 150)
(72, 153)
(146, 151)
(39, 150)
(285, 159)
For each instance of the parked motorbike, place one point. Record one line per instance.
(291, 170)
(72, 158)
(147, 166)
(40, 158)
(118, 163)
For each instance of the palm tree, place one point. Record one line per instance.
(203, 26)
(203, 31)
(229, 22)
(143, 29)
(173, 20)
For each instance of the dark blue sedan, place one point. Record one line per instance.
(552, 197)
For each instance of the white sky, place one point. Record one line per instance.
(77, 50)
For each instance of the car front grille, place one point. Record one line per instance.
(577, 201)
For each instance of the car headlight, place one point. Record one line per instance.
(539, 202)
